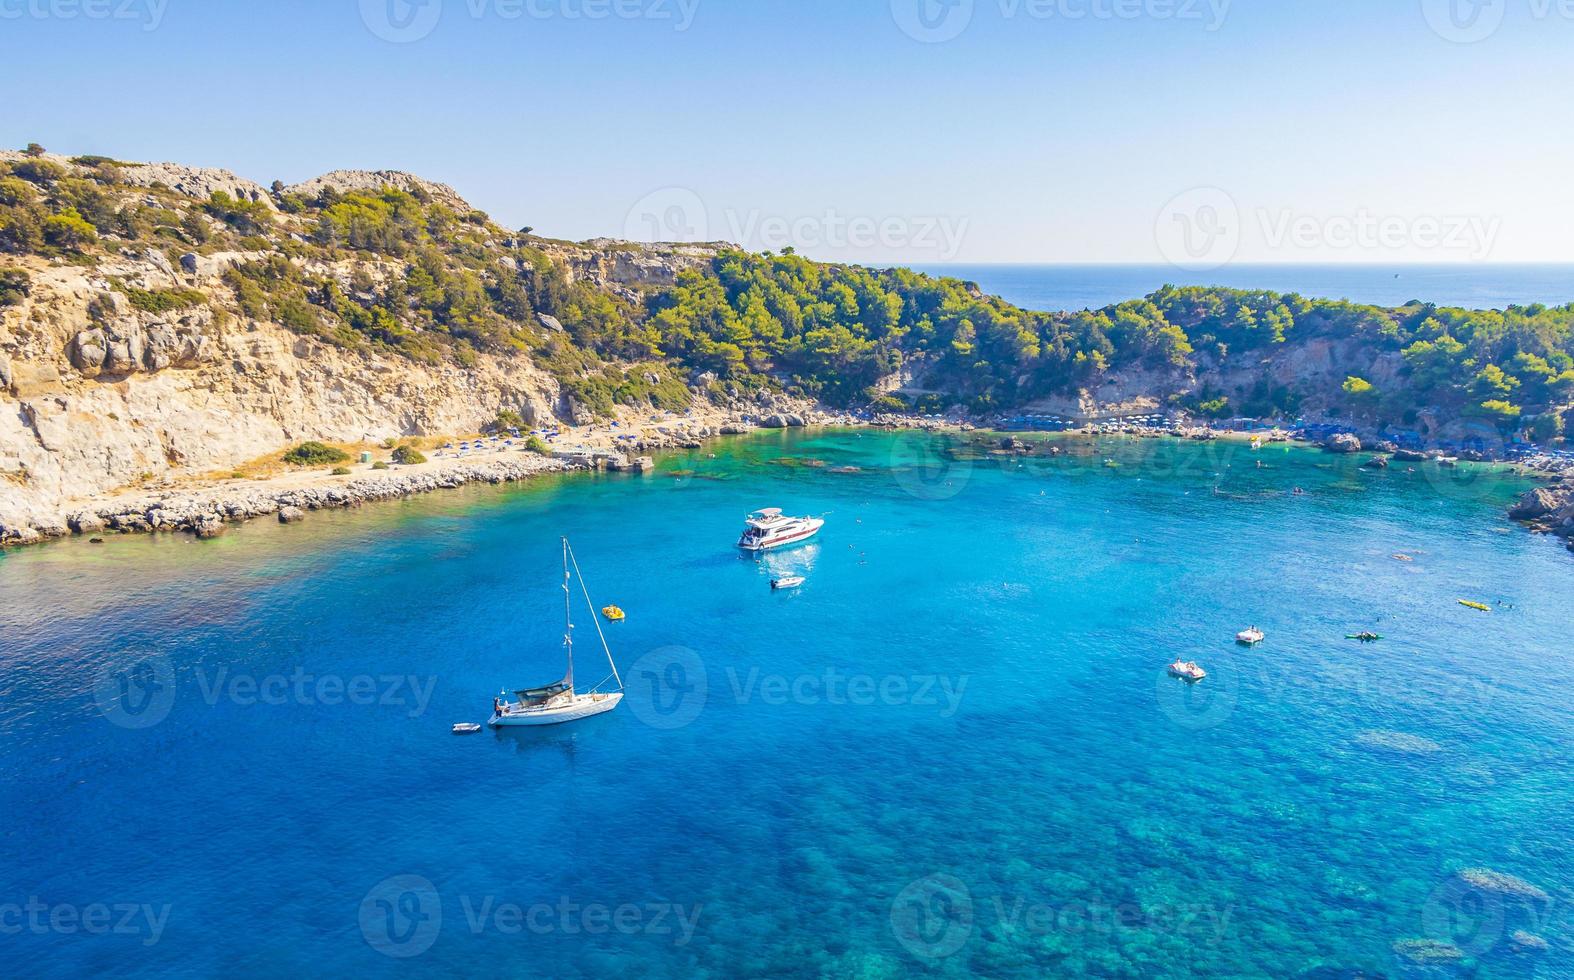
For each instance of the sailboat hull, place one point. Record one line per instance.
(582, 706)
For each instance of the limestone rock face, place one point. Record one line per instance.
(375, 180)
(127, 346)
(203, 267)
(200, 183)
(88, 408)
(87, 353)
(626, 270)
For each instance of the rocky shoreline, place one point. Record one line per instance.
(207, 512)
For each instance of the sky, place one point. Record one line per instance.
(1192, 132)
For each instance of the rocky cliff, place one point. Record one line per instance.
(136, 366)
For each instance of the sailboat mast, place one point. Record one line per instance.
(591, 608)
(568, 617)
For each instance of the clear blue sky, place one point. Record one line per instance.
(1029, 136)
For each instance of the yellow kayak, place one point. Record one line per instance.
(1475, 605)
(613, 613)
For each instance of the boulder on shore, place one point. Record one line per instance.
(87, 522)
(291, 515)
(1539, 503)
(1343, 442)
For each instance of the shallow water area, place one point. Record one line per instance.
(955, 750)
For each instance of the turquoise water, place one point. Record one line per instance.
(955, 751)
(1474, 286)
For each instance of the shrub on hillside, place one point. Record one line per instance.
(14, 286)
(314, 454)
(408, 456)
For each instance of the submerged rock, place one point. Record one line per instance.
(1497, 883)
(1397, 742)
(1376, 463)
(1428, 952)
(1524, 942)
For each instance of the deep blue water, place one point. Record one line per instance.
(954, 752)
(1077, 287)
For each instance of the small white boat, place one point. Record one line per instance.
(765, 530)
(466, 728)
(559, 703)
(1187, 670)
(790, 582)
(1250, 636)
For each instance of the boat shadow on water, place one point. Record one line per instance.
(547, 739)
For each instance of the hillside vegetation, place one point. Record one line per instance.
(403, 270)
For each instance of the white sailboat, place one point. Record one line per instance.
(559, 703)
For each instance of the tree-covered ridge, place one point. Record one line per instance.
(401, 271)
(836, 330)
